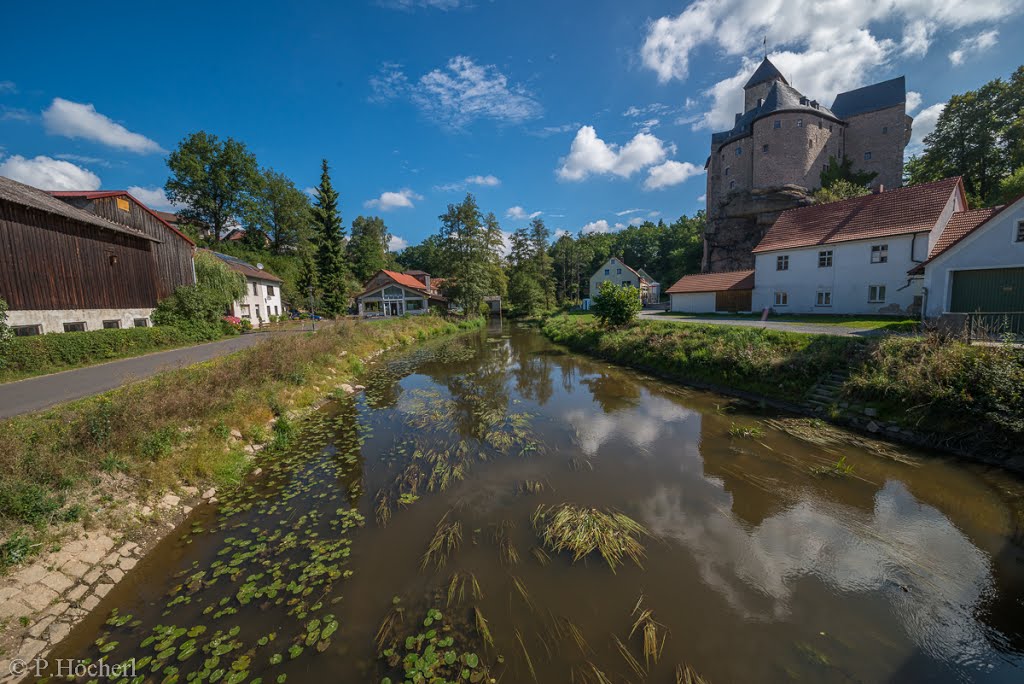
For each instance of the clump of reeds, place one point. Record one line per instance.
(456, 588)
(526, 655)
(482, 628)
(386, 631)
(686, 675)
(524, 593)
(506, 549)
(383, 509)
(529, 487)
(649, 629)
(589, 674)
(541, 555)
(582, 531)
(447, 537)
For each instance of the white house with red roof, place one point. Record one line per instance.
(853, 256)
(390, 293)
(977, 265)
(262, 297)
(622, 275)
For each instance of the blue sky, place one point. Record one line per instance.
(593, 113)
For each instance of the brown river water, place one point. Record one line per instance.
(794, 552)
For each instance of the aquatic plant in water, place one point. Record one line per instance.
(649, 629)
(582, 531)
(431, 654)
(447, 537)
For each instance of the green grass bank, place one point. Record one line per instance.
(964, 398)
(176, 428)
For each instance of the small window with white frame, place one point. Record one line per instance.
(141, 322)
(824, 297)
(876, 294)
(825, 259)
(111, 325)
(782, 262)
(879, 254)
(1020, 230)
(781, 298)
(27, 330)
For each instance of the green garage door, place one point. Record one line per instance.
(988, 290)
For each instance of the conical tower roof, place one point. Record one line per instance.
(765, 72)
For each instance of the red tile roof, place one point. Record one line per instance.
(94, 194)
(960, 225)
(901, 211)
(244, 267)
(714, 282)
(405, 279)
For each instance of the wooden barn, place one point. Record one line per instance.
(173, 253)
(63, 269)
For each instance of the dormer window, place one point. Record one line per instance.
(760, 101)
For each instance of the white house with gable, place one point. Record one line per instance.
(262, 292)
(853, 256)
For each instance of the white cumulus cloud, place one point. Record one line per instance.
(488, 181)
(599, 226)
(519, 214)
(924, 123)
(671, 173)
(393, 200)
(397, 244)
(913, 101)
(590, 155)
(153, 197)
(77, 120)
(47, 173)
(973, 45)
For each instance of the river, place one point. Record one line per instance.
(772, 548)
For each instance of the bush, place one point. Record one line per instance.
(6, 334)
(56, 351)
(616, 305)
(201, 306)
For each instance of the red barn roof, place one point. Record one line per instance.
(902, 211)
(713, 282)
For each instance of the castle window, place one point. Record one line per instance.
(727, 169)
(825, 259)
(867, 156)
(732, 184)
(799, 123)
(810, 143)
(824, 298)
(876, 294)
(885, 129)
(830, 127)
(778, 124)
(764, 148)
(821, 124)
(739, 151)
(782, 263)
(879, 254)
(781, 299)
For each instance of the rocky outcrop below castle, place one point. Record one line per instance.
(738, 222)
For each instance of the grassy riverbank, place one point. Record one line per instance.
(69, 464)
(966, 397)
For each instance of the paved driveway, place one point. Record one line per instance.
(34, 394)
(810, 328)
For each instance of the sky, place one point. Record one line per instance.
(591, 114)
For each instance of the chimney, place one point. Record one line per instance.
(880, 189)
(426, 281)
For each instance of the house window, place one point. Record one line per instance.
(111, 325)
(876, 294)
(606, 271)
(246, 313)
(618, 271)
(867, 156)
(777, 124)
(879, 254)
(256, 289)
(1020, 231)
(270, 290)
(825, 259)
(627, 283)
(141, 322)
(739, 151)
(824, 298)
(27, 330)
(764, 148)
(782, 263)
(781, 299)
(799, 123)
(74, 327)
(258, 316)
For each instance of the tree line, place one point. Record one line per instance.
(980, 136)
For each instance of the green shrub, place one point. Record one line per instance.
(28, 502)
(202, 305)
(616, 305)
(6, 334)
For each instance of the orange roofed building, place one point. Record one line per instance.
(390, 293)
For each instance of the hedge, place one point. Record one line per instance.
(59, 351)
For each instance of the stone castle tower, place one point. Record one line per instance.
(772, 158)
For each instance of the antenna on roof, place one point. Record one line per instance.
(259, 266)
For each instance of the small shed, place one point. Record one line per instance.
(730, 291)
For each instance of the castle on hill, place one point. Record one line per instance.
(783, 138)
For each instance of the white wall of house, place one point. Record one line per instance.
(392, 300)
(615, 271)
(693, 302)
(262, 300)
(52, 321)
(993, 245)
(847, 286)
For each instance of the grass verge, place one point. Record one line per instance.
(886, 323)
(174, 429)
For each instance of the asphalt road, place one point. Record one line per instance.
(33, 394)
(810, 328)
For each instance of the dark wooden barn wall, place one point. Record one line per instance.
(173, 255)
(50, 262)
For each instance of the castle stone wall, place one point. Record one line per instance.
(753, 95)
(795, 153)
(884, 134)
